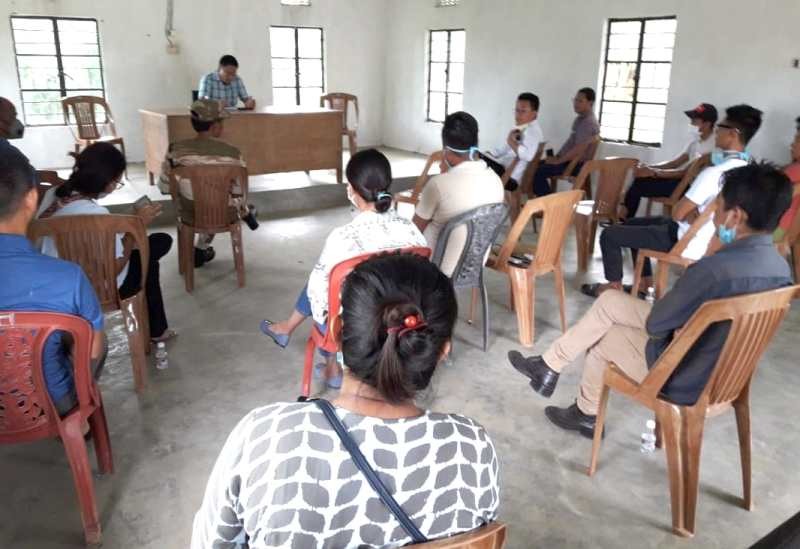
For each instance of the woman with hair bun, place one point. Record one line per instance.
(284, 479)
(377, 227)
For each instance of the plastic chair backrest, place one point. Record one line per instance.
(26, 411)
(90, 241)
(611, 176)
(754, 319)
(590, 147)
(47, 180)
(490, 536)
(212, 186)
(341, 102)
(83, 109)
(692, 171)
(336, 279)
(482, 225)
(422, 179)
(526, 185)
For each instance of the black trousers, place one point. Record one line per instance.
(647, 187)
(160, 244)
(653, 233)
(499, 169)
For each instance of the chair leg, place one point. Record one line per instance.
(181, 250)
(308, 365)
(78, 458)
(562, 296)
(152, 178)
(592, 239)
(485, 303)
(659, 434)
(351, 138)
(683, 438)
(513, 201)
(188, 259)
(122, 149)
(581, 241)
(742, 409)
(662, 279)
(598, 430)
(133, 311)
(102, 443)
(524, 291)
(472, 300)
(238, 252)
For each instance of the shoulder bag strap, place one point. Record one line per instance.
(372, 477)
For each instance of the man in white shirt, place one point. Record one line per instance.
(521, 143)
(466, 182)
(661, 233)
(661, 179)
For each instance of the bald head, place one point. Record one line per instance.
(10, 126)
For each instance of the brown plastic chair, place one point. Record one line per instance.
(754, 320)
(672, 257)
(88, 132)
(341, 102)
(491, 536)
(212, 188)
(514, 198)
(611, 176)
(557, 210)
(569, 173)
(412, 197)
(47, 180)
(27, 413)
(90, 241)
(668, 202)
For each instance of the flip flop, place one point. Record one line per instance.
(164, 337)
(281, 340)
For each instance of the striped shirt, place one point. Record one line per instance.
(211, 87)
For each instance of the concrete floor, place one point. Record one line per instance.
(220, 367)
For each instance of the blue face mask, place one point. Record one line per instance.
(726, 235)
(718, 156)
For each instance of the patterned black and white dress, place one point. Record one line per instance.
(283, 479)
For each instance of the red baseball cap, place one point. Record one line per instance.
(704, 111)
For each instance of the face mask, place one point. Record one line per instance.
(351, 198)
(726, 235)
(694, 131)
(469, 152)
(718, 156)
(16, 129)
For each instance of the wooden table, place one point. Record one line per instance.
(272, 139)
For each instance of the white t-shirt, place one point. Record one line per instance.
(532, 137)
(697, 147)
(702, 192)
(85, 206)
(460, 189)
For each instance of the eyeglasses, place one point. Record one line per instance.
(729, 127)
(119, 184)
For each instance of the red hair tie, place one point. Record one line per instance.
(410, 324)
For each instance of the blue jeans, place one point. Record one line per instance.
(303, 306)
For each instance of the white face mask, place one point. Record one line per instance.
(354, 210)
(694, 131)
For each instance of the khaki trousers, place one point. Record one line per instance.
(613, 330)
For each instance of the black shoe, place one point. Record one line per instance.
(201, 257)
(572, 419)
(250, 218)
(543, 379)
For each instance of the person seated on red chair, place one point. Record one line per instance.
(30, 281)
(793, 171)
(376, 227)
(625, 330)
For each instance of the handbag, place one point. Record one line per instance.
(372, 477)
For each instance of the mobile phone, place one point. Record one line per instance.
(550, 153)
(142, 201)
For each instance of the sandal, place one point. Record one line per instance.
(164, 337)
(334, 382)
(203, 256)
(281, 340)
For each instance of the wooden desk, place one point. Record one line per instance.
(272, 139)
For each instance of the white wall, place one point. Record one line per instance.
(139, 73)
(726, 52)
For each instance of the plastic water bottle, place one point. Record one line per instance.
(649, 437)
(651, 295)
(161, 356)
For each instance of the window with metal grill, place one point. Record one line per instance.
(446, 50)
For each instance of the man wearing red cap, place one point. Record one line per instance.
(661, 179)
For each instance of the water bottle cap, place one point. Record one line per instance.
(651, 424)
(161, 345)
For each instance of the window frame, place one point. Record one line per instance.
(63, 90)
(297, 87)
(446, 71)
(634, 100)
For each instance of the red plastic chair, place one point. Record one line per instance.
(329, 341)
(28, 414)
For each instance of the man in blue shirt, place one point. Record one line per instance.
(224, 85)
(30, 281)
(625, 330)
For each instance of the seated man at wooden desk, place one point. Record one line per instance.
(204, 149)
(224, 85)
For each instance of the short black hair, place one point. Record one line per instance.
(370, 175)
(377, 297)
(228, 60)
(744, 118)
(797, 121)
(588, 93)
(201, 125)
(760, 189)
(460, 131)
(16, 181)
(532, 99)
(95, 167)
